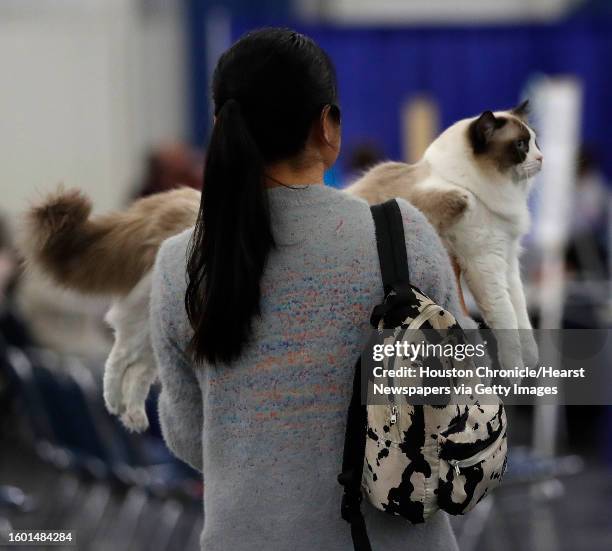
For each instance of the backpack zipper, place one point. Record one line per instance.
(394, 414)
(458, 464)
(428, 312)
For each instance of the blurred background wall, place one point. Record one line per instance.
(87, 87)
(465, 57)
(90, 86)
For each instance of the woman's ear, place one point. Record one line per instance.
(330, 127)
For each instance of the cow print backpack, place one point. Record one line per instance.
(412, 460)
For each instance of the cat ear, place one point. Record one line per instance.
(482, 130)
(522, 110)
(486, 125)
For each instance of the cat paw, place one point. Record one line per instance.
(135, 419)
(509, 350)
(137, 383)
(529, 348)
(113, 396)
(114, 371)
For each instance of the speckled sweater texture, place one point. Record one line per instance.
(267, 431)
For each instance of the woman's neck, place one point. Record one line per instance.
(290, 174)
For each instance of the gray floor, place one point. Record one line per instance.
(570, 514)
(102, 518)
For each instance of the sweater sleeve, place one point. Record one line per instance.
(429, 263)
(180, 401)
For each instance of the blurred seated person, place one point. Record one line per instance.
(14, 332)
(587, 253)
(362, 157)
(13, 329)
(169, 167)
(65, 322)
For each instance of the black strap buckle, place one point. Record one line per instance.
(345, 478)
(351, 506)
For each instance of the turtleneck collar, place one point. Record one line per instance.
(284, 197)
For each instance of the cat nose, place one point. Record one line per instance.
(539, 157)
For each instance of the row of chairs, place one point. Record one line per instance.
(98, 463)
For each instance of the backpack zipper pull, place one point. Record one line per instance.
(393, 418)
(455, 464)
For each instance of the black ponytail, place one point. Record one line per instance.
(268, 90)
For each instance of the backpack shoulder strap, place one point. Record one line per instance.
(391, 243)
(391, 246)
(353, 458)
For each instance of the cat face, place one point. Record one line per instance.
(506, 142)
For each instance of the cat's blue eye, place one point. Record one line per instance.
(521, 145)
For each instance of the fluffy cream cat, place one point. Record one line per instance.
(472, 184)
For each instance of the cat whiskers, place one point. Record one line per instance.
(529, 169)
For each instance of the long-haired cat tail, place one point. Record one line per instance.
(110, 255)
(106, 253)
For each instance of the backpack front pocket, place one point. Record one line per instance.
(466, 476)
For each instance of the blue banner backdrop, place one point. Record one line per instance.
(464, 69)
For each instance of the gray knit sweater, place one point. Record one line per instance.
(267, 432)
